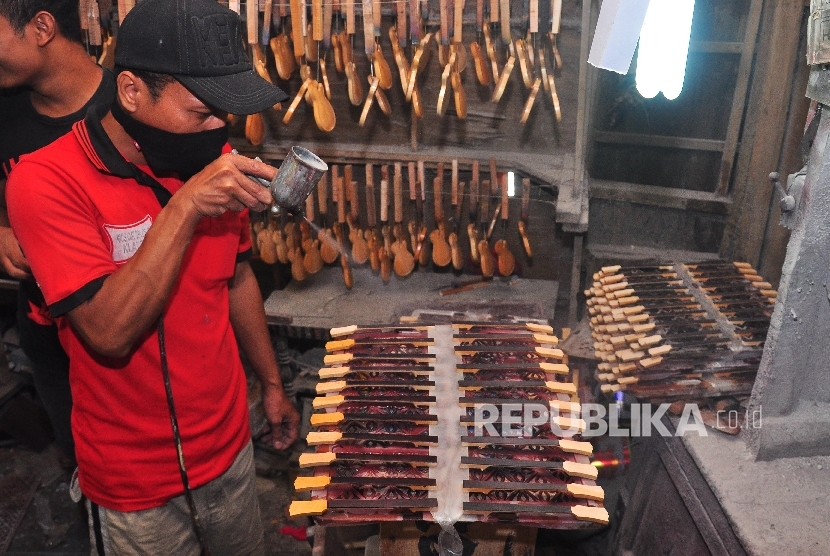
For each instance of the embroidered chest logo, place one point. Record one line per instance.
(126, 240)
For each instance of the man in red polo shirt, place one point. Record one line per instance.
(136, 228)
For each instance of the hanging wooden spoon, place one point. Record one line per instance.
(324, 115)
(280, 244)
(479, 63)
(472, 234)
(283, 59)
(506, 260)
(354, 86)
(417, 106)
(382, 70)
(370, 99)
(360, 249)
(298, 271)
(530, 101)
(267, 249)
(400, 58)
(443, 93)
(404, 261)
(459, 97)
(372, 245)
(525, 216)
(296, 101)
(488, 264)
(338, 53)
(441, 252)
(382, 101)
(457, 256)
(328, 246)
(312, 262)
(255, 129)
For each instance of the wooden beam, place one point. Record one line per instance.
(764, 131)
(739, 97)
(665, 141)
(666, 197)
(776, 237)
(716, 47)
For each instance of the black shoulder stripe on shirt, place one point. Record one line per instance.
(73, 300)
(244, 255)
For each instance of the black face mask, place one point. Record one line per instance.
(186, 154)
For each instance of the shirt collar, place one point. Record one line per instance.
(97, 145)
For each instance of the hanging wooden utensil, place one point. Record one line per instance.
(371, 211)
(323, 199)
(370, 98)
(310, 207)
(555, 20)
(441, 251)
(267, 248)
(506, 260)
(417, 62)
(472, 232)
(296, 102)
(488, 264)
(494, 177)
(530, 100)
(338, 54)
(297, 10)
(459, 96)
(384, 195)
(347, 271)
(309, 45)
(443, 95)
(456, 41)
(400, 57)
(255, 129)
(324, 115)
(484, 205)
(491, 54)
(503, 79)
(404, 262)
(354, 86)
(521, 54)
(397, 188)
(312, 262)
(504, 17)
(525, 217)
(317, 19)
(417, 106)
(382, 70)
(480, 64)
(381, 100)
(444, 40)
(554, 98)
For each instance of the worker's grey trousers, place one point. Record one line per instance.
(228, 510)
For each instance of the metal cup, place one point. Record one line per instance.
(297, 178)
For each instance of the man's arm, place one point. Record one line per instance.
(248, 321)
(132, 298)
(11, 256)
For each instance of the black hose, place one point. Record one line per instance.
(174, 421)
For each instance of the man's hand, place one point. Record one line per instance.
(282, 416)
(11, 256)
(222, 186)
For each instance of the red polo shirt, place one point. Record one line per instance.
(79, 215)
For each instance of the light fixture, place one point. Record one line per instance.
(511, 184)
(664, 47)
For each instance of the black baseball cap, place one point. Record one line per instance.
(198, 42)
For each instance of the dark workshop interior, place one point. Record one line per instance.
(504, 224)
